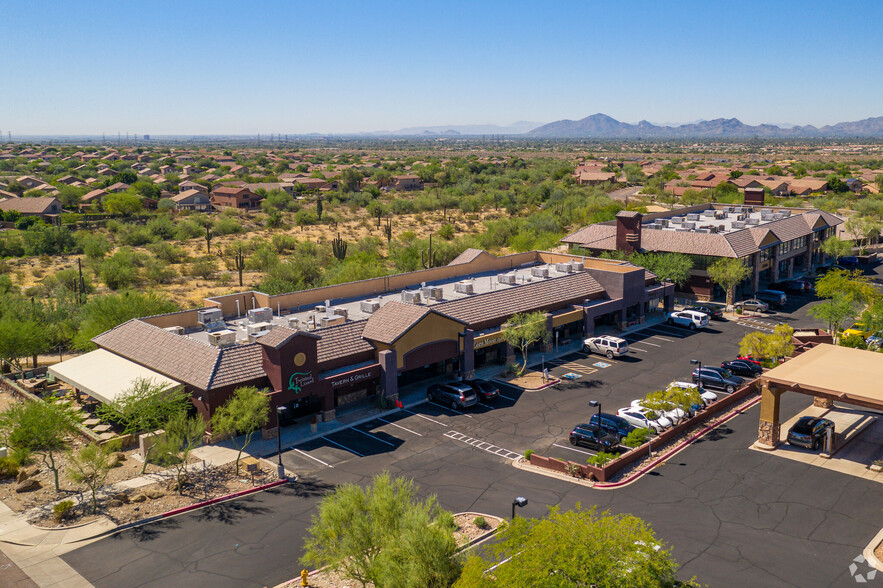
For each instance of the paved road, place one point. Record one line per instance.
(734, 517)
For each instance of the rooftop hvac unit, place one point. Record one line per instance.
(369, 306)
(340, 311)
(432, 292)
(752, 221)
(509, 278)
(689, 225)
(320, 308)
(738, 209)
(464, 287)
(175, 330)
(210, 315)
(778, 216)
(708, 212)
(222, 338)
(540, 272)
(700, 231)
(258, 327)
(727, 209)
(692, 217)
(653, 226)
(576, 266)
(330, 321)
(683, 230)
(411, 296)
(785, 213)
(263, 314)
(663, 221)
(293, 322)
(738, 224)
(562, 267)
(721, 228)
(678, 220)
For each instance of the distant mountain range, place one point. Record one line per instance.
(516, 128)
(601, 126)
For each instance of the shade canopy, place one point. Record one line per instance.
(104, 375)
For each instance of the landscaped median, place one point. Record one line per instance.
(607, 472)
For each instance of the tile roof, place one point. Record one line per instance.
(342, 341)
(501, 304)
(188, 194)
(628, 214)
(182, 358)
(597, 236)
(37, 205)
(393, 320)
(467, 256)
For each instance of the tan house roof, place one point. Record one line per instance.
(38, 205)
(393, 320)
(468, 256)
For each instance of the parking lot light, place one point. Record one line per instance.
(598, 427)
(699, 369)
(520, 502)
(279, 411)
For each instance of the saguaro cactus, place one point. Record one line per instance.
(338, 247)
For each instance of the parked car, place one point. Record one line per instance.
(688, 318)
(484, 389)
(775, 298)
(613, 424)
(753, 304)
(458, 395)
(715, 377)
(589, 436)
(850, 261)
(706, 396)
(858, 328)
(606, 345)
(742, 367)
(809, 432)
(644, 418)
(751, 359)
(674, 414)
(874, 341)
(794, 286)
(714, 311)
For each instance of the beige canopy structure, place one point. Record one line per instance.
(827, 372)
(104, 375)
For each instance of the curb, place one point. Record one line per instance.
(682, 445)
(868, 551)
(551, 382)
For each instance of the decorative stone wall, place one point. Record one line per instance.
(820, 402)
(769, 433)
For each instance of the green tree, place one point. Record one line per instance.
(103, 313)
(183, 434)
(349, 180)
(670, 267)
(244, 413)
(124, 203)
(22, 337)
(671, 398)
(90, 466)
(145, 407)
(523, 330)
(41, 428)
(384, 534)
(727, 272)
(768, 346)
(834, 312)
(836, 247)
(574, 548)
(872, 317)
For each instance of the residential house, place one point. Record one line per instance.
(192, 200)
(233, 197)
(190, 185)
(594, 178)
(29, 182)
(807, 186)
(42, 206)
(118, 187)
(407, 182)
(93, 198)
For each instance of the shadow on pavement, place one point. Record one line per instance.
(148, 532)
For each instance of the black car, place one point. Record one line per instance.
(714, 377)
(589, 436)
(742, 367)
(457, 395)
(613, 424)
(793, 286)
(485, 390)
(809, 432)
(849, 261)
(713, 311)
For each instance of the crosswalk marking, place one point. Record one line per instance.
(483, 445)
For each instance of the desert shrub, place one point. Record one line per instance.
(528, 453)
(63, 510)
(188, 229)
(8, 467)
(602, 459)
(228, 226)
(168, 252)
(479, 522)
(162, 227)
(637, 437)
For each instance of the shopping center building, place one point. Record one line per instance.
(322, 349)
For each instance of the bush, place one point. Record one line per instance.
(637, 437)
(8, 467)
(602, 459)
(63, 510)
(227, 226)
(188, 230)
(480, 522)
(528, 453)
(446, 520)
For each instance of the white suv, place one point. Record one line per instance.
(644, 418)
(692, 319)
(609, 346)
(707, 397)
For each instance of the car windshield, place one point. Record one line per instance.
(803, 425)
(620, 344)
(724, 373)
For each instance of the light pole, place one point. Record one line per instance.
(280, 468)
(698, 371)
(520, 502)
(598, 424)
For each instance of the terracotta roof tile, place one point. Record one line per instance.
(393, 320)
(342, 341)
(467, 256)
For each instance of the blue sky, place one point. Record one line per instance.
(191, 67)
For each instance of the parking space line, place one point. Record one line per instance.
(450, 409)
(507, 398)
(633, 348)
(399, 426)
(663, 338)
(372, 436)
(573, 449)
(344, 447)
(425, 417)
(314, 458)
(644, 342)
(477, 443)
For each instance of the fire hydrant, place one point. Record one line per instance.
(303, 578)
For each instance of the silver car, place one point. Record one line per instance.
(606, 345)
(753, 304)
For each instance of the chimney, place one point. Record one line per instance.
(754, 196)
(628, 231)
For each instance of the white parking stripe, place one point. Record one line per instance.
(645, 342)
(477, 443)
(573, 449)
(314, 458)
(507, 398)
(633, 348)
(343, 446)
(399, 426)
(373, 436)
(663, 338)
(450, 409)
(426, 417)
